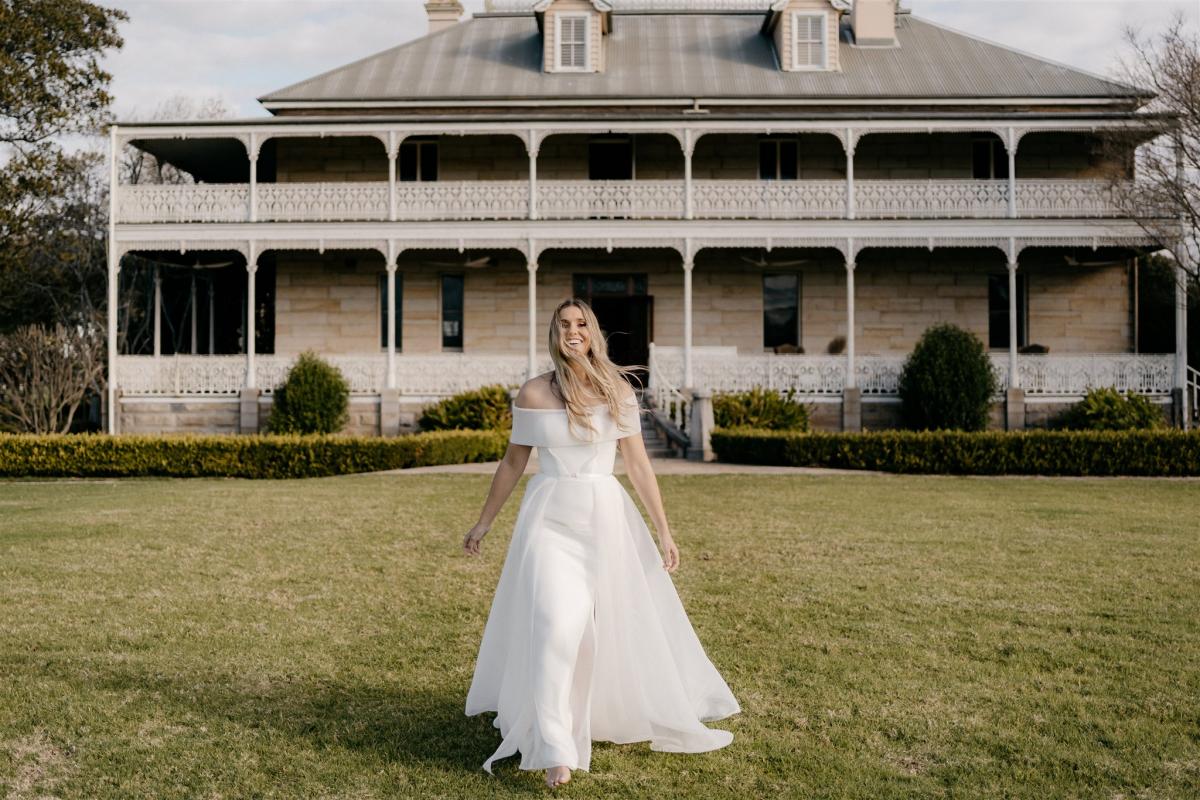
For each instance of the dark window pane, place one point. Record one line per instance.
(452, 311)
(999, 161)
(998, 311)
(781, 310)
(981, 165)
(610, 160)
(429, 161)
(787, 160)
(383, 310)
(408, 161)
(766, 160)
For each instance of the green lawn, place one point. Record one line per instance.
(887, 637)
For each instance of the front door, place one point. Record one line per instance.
(625, 314)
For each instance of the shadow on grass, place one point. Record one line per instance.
(419, 727)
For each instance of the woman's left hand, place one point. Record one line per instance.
(670, 552)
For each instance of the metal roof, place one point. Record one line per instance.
(694, 55)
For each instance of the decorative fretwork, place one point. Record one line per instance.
(433, 200)
(931, 199)
(1067, 199)
(1073, 375)
(610, 199)
(769, 199)
(320, 202)
(193, 202)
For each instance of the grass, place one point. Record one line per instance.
(886, 636)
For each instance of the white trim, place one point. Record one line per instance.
(797, 66)
(587, 41)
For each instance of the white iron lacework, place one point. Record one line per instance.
(651, 199)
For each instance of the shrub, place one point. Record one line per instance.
(485, 409)
(263, 457)
(948, 381)
(1151, 453)
(45, 375)
(1108, 410)
(314, 398)
(760, 408)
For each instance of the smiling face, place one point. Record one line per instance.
(573, 333)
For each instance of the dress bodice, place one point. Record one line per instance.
(562, 453)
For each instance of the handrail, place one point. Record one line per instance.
(1192, 392)
(663, 394)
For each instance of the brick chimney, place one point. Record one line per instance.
(442, 14)
(874, 23)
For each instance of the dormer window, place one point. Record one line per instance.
(571, 33)
(808, 40)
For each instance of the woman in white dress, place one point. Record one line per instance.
(587, 639)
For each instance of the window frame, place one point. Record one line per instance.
(799, 275)
(1022, 310)
(778, 142)
(442, 276)
(795, 18)
(382, 306)
(420, 143)
(997, 158)
(559, 66)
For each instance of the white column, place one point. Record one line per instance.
(851, 145)
(1014, 379)
(212, 336)
(113, 272)
(393, 148)
(1011, 148)
(532, 268)
(851, 379)
(391, 324)
(157, 311)
(253, 152)
(1181, 343)
(192, 315)
(688, 148)
(687, 319)
(251, 269)
(534, 145)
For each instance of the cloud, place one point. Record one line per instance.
(240, 50)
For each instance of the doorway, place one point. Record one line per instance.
(625, 313)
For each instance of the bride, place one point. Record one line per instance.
(587, 638)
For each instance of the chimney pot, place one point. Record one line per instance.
(443, 14)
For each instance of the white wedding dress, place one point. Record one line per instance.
(587, 639)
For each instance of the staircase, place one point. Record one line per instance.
(661, 437)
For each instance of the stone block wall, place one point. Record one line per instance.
(177, 415)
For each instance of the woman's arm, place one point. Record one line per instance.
(641, 475)
(511, 468)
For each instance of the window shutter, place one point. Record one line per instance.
(809, 40)
(572, 43)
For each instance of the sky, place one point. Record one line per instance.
(237, 50)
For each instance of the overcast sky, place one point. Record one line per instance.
(238, 50)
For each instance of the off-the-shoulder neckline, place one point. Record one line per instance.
(592, 405)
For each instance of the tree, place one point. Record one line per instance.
(51, 85)
(1164, 149)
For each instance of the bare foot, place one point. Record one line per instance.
(556, 776)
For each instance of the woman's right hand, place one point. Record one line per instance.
(473, 537)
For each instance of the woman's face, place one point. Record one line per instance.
(574, 336)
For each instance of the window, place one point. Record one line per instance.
(572, 36)
(418, 160)
(383, 309)
(989, 160)
(611, 158)
(452, 312)
(778, 159)
(998, 311)
(781, 310)
(808, 41)
(587, 285)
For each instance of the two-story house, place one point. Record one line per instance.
(748, 193)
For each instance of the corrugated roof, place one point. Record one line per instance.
(493, 57)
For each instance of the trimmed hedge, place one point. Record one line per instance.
(1149, 453)
(273, 457)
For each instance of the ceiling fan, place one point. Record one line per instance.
(763, 262)
(468, 263)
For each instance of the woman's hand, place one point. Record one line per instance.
(473, 537)
(670, 552)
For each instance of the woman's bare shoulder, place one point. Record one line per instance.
(536, 393)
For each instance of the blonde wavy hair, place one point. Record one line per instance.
(606, 378)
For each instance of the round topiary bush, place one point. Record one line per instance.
(486, 409)
(1108, 410)
(948, 381)
(760, 408)
(315, 398)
